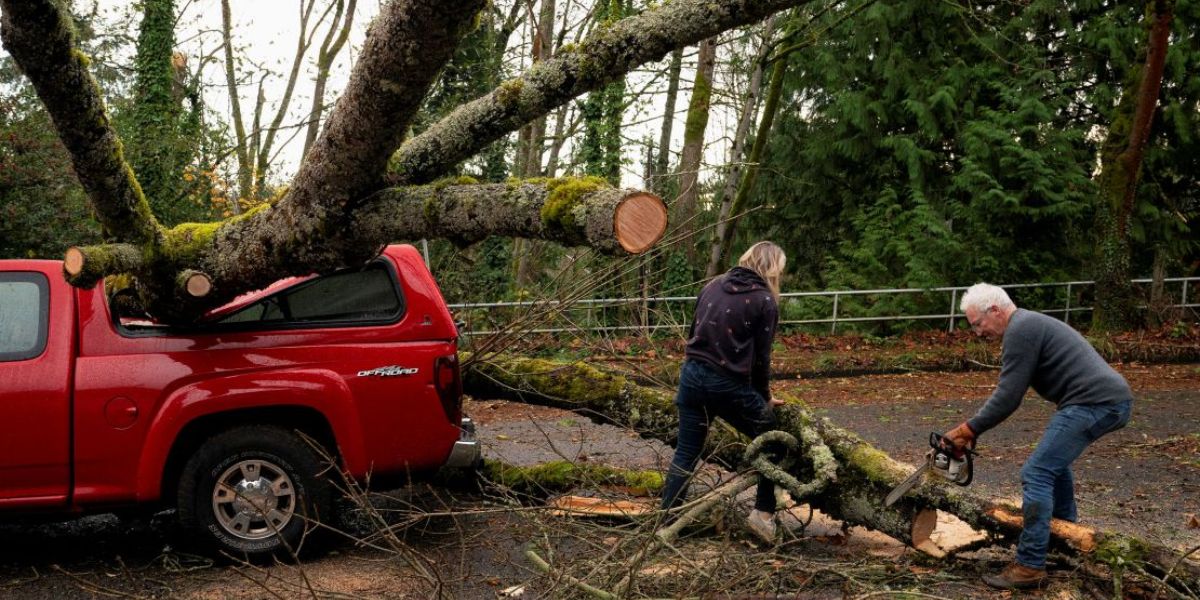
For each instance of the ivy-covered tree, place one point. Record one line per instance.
(161, 134)
(600, 150)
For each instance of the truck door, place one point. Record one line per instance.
(36, 342)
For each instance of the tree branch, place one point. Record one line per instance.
(40, 36)
(604, 56)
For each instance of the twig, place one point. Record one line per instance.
(1172, 569)
(94, 587)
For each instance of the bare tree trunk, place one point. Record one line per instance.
(1120, 170)
(753, 163)
(303, 40)
(542, 51)
(331, 46)
(693, 141)
(663, 158)
(245, 177)
(732, 174)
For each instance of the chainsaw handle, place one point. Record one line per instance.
(941, 442)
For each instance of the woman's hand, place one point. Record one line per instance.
(776, 402)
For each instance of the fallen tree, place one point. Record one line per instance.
(339, 210)
(864, 474)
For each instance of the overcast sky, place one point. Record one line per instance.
(265, 33)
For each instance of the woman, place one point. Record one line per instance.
(727, 366)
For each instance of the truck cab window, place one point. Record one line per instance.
(367, 295)
(24, 312)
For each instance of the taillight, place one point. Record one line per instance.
(448, 382)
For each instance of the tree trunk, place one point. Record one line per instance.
(738, 206)
(244, 176)
(749, 107)
(331, 46)
(662, 160)
(1120, 169)
(156, 151)
(693, 142)
(864, 477)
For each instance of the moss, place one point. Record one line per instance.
(876, 465)
(509, 92)
(698, 106)
(189, 240)
(82, 57)
(562, 475)
(565, 192)
(454, 180)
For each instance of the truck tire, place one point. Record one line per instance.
(254, 493)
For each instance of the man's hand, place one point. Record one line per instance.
(960, 436)
(776, 402)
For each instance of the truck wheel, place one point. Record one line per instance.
(254, 492)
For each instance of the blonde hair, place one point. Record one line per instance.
(768, 260)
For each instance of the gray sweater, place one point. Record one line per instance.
(1062, 367)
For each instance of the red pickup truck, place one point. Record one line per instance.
(234, 420)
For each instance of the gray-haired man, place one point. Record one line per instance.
(1091, 399)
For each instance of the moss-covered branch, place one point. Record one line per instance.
(571, 211)
(603, 57)
(40, 36)
(865, 474)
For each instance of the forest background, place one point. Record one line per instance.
(887, 143)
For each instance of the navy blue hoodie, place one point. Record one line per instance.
(734, 326)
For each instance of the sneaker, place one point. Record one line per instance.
(1016, 576)
(762, 525)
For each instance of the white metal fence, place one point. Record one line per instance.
(648, 314)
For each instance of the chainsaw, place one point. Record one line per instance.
(943, 459)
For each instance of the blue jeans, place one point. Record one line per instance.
(1048, 487)
(704, 393)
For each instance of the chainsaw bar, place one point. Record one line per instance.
(910, 482)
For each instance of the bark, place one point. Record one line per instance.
(732, 176)
(40, 36)
(331, 46)
(245, 177)
(309, 229)
(303, 40)
(604, 56)
(568, 211)
(693, 141)
(662, 160)
(1120, 171)
(738, 206)
(864, 477)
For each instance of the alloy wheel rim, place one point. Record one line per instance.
(254, 499)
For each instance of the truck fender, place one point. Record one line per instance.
(321, 390)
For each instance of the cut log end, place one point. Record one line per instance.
(195, 283)
(640, 221)
(923, 526)
(73, 261)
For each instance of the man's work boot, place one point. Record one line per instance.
(1016, 576)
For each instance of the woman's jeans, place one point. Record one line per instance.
(1046, 479)
(704, 393)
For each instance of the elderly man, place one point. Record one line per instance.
(1091, 400)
